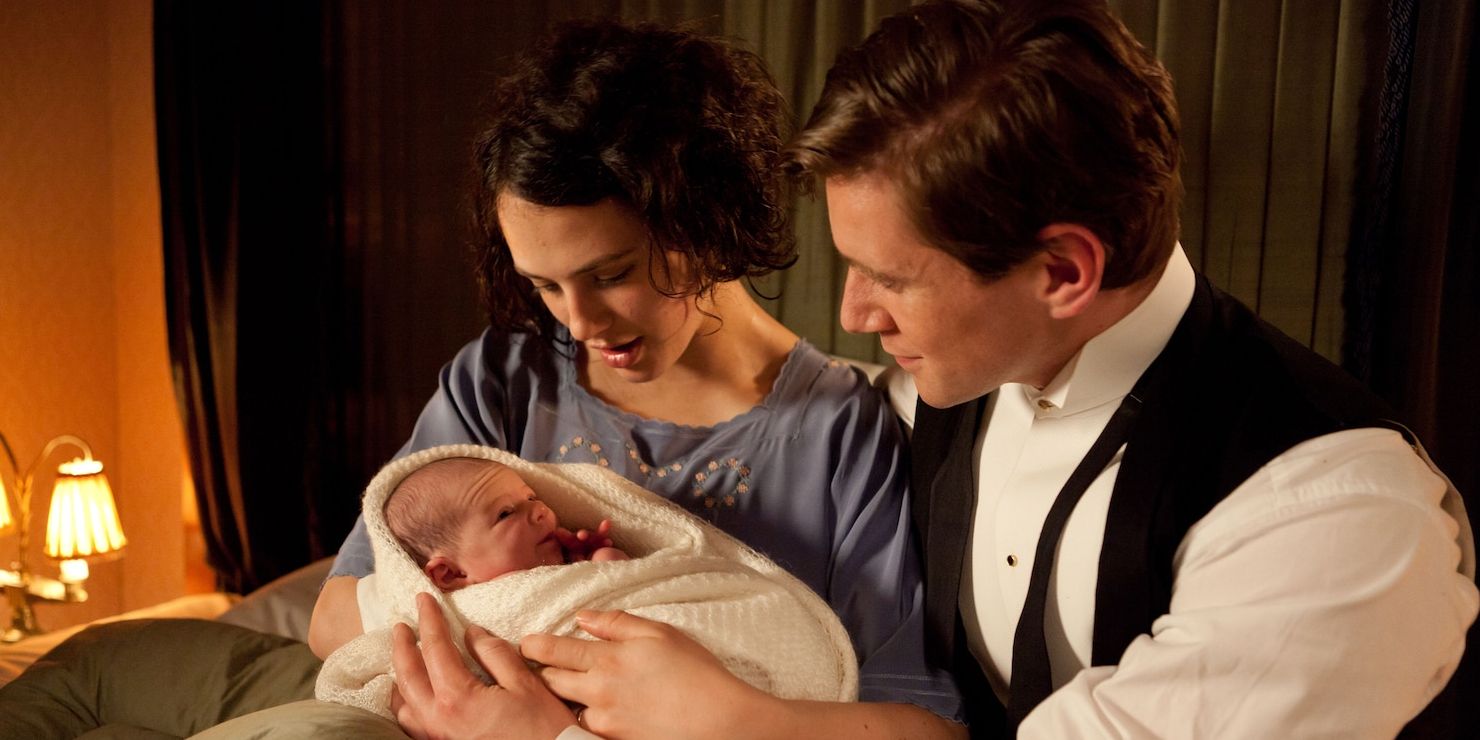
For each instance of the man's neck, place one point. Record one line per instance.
(1108, 308)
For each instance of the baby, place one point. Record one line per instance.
(466, 521)
(476, 532)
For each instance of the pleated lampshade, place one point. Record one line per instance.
(83, 522)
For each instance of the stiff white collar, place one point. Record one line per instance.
(1107, 366)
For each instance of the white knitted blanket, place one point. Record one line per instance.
(766, 626)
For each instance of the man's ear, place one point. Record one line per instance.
(444, 573)
(1073, 259)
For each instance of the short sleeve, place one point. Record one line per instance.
(875, 583)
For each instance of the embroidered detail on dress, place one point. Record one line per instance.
(709, 499)
(714, 499)
(579, 442)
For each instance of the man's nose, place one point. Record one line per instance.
(859, 313)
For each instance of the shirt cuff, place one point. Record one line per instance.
(373, 612)
(576, 732)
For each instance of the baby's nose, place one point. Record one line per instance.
(539, 511)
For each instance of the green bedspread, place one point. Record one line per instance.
(175, 678)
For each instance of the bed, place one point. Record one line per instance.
(248, 673)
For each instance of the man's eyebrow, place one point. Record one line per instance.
(871, 273)
(589, 267)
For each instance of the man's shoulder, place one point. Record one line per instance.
(1264, 375)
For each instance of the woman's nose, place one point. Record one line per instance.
(585, 316)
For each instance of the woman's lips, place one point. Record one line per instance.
(621, 355)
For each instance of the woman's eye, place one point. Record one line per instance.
(546, 288)
(606, 280)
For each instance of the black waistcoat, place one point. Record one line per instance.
(1228, 394)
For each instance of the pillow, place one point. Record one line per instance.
(282, 607)
(154, 678)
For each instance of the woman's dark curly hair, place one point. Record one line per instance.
(682, 128)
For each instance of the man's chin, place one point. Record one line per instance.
(938, 396)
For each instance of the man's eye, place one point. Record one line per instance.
(505, 514)
(885, 283)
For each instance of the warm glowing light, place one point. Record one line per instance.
(6, 521)
(74, 571)
(84, 520)
(79, 467)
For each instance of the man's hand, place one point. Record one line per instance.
(441, 698)
(643, 679)
(589, 544)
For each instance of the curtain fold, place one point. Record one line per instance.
(1413, 288)
(254, 341)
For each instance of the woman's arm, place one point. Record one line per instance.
(336, 616)
(646, 679)
(642, 680)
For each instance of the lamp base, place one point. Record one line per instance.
(22, 589)
(22, 616)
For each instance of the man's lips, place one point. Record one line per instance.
(901, 358)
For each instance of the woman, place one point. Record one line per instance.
(627, 186)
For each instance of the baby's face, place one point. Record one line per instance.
(505, 527)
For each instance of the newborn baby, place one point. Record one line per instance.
(466, 521)
(471, 526)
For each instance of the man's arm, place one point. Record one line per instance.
(1322, 597)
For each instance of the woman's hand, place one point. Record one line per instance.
(644, 679)
(441, 698)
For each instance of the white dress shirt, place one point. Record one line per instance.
(1328, 594)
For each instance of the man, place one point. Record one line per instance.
(1144, 511)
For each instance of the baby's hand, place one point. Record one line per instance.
(584, 544)
(608, 554)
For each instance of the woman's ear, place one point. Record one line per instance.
(1073, 265)
(444, 573)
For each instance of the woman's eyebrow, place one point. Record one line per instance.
(589, 267)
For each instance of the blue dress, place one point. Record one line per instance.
(813, 477)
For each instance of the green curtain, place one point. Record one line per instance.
(1271, 96)
(1277, 100)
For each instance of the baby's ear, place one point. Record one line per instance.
(444, 573)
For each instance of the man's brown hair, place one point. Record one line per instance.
(996, 118)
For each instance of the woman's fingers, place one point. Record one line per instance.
(569, 685)
(570, 653)
(619, 625)
(497, 657)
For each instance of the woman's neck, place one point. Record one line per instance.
(729, 367)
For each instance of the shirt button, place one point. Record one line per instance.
(1045, 404)
(1012, 561)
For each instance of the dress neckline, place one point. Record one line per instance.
(790, 367)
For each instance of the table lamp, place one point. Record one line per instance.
(82, 525)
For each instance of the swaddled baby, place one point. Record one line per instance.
(466, 521)
(483, 536)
